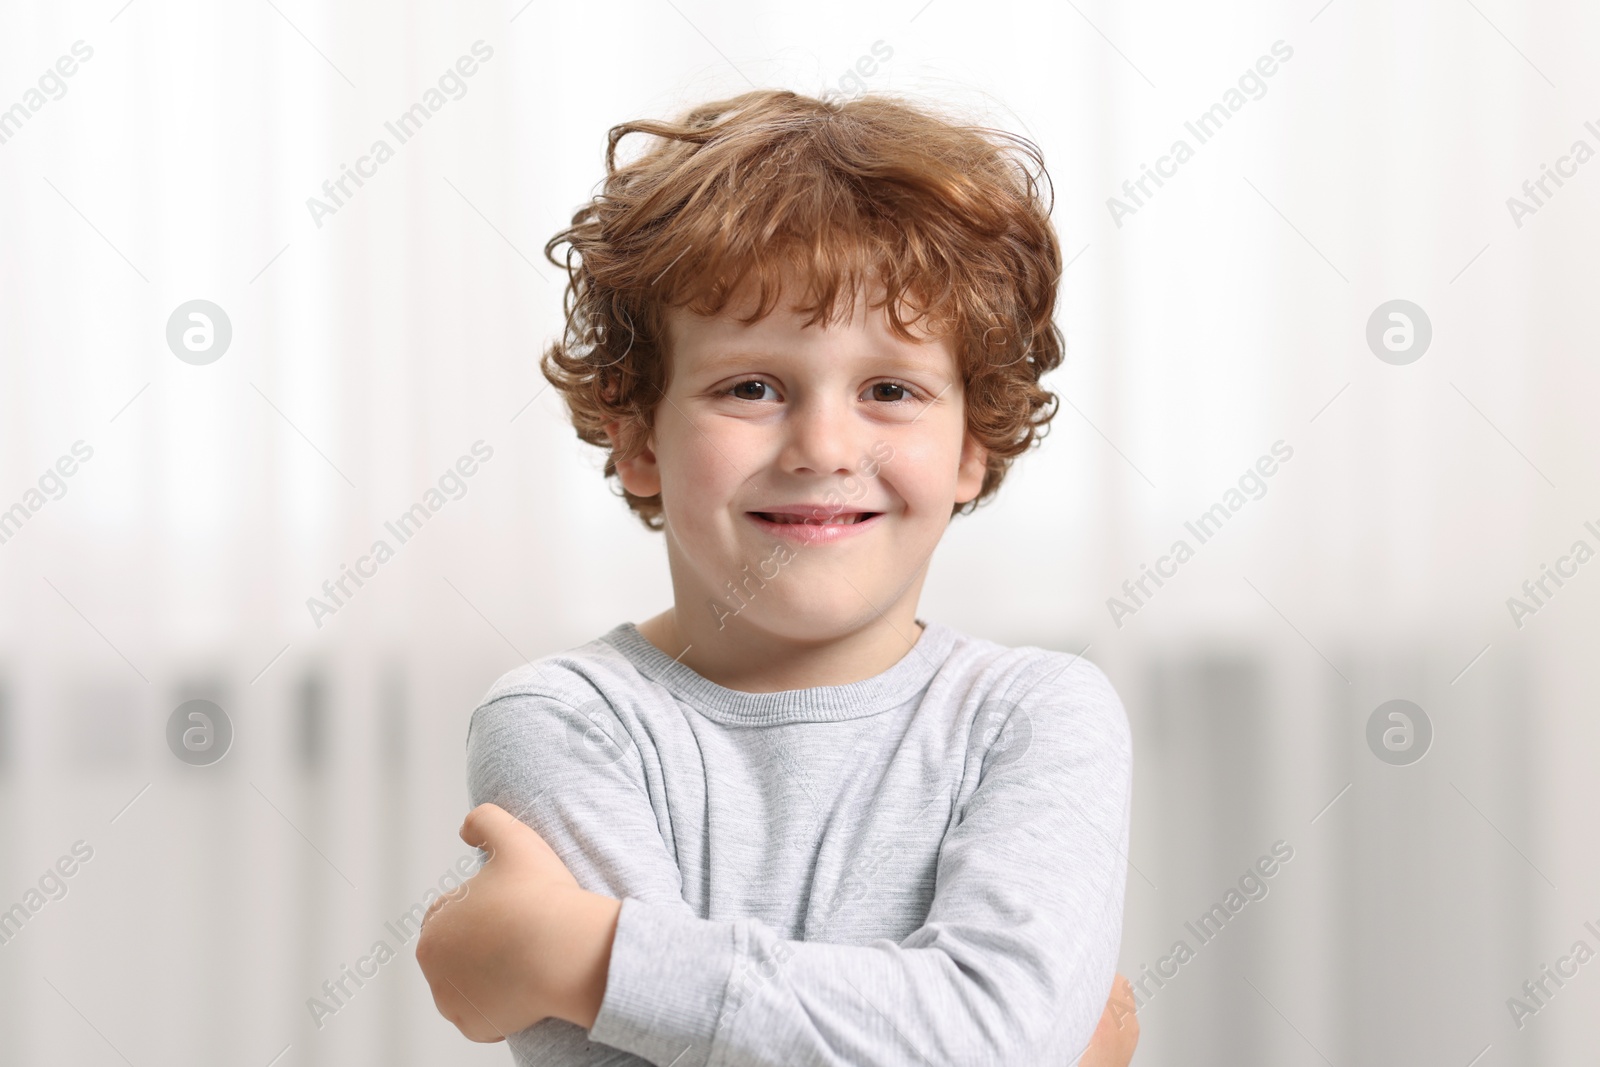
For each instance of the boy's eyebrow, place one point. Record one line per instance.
(923, 359)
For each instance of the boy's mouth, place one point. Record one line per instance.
(843, 518)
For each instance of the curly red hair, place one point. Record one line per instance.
(772, 185)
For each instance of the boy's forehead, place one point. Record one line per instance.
(787, 318)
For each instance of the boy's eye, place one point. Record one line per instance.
(749, 385)
(755, 389)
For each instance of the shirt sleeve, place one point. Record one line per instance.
(1012, 965)
(574, 776)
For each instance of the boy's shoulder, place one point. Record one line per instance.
(1027, 696)
(1030, 672)
(575, 675)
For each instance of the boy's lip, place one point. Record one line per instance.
(809, 533)
(811, 510)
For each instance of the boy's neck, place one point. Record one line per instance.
(751, 660)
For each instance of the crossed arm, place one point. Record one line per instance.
(578, 920)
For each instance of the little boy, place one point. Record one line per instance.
(787, 821)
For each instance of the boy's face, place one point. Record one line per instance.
(764, 425)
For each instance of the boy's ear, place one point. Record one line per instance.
(640, 475)
(972, 469)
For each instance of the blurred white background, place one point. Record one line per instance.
(373, 346)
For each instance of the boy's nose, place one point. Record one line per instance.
(820, 438)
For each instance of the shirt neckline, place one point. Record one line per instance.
(825, 703)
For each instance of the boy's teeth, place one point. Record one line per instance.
(837, 520)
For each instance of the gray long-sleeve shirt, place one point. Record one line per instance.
(925, 867)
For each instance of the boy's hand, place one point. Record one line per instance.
(1113, 1041)
(520, 941)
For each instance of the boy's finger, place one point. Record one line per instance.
(485, 825)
